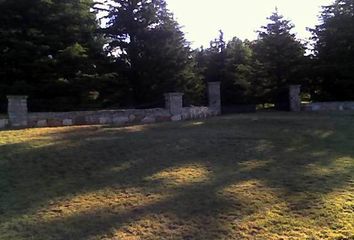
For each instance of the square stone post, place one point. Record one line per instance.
(174, 104)
(294, 98)
(214, 96)
(17, 111)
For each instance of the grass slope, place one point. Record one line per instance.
(257, 176)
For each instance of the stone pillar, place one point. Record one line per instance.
(17, 111)
(294, 98)
(174, 104)
(214, 96)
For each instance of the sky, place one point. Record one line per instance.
(202, 19)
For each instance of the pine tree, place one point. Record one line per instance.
(216, 59)
(278, 57)
(46, 46)
(229, 63)
(151, 50)
(236, 85)
(334, 52)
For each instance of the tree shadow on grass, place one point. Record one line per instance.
(278, 155)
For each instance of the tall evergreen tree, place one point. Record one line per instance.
(236, 85)
(334, 52)
(46, 47)
(151, 50)
(278, 57)
(229, 63)
(216, 55)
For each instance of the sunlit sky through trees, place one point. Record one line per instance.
(202, 19)
(242, 18)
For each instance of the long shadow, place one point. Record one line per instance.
(33, 177)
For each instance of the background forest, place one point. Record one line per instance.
(59, 54)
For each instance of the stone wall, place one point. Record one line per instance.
(173, 111)
(190, 113)
(17, 110)
(116, 117)
(294, 98)
(328, 106)
(214, 96)
(4, 122)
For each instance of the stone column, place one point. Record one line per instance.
(294, 98)
(17, 111)
(214, 96)
(174, 104)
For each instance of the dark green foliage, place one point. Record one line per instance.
(230, 64)
(216, 59)
(47, 47)
(54, 51)
(278, 58)
(334, 52)
(151, 51)
(255, 72)
(237, 81)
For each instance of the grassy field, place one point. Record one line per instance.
(256, 176)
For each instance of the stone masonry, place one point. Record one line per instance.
(328, 106)
(173, 111)
(17, 111)
(294, 98)
(214, 96)
(174, 104)
(4, 123)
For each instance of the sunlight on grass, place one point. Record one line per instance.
(271, 214)
(338, 166)
(148, 227)
(264, 146)
(339, 205)
(250, 176)
(48, 134)
(129, 129)
(250, 193)
(323, 134)
(123, 166)
(112, 200)
(194, 123)
(263, 207)
(319, 154)
(179, 176)
(198, 123)
(253, 165)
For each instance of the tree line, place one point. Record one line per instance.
(60, 54)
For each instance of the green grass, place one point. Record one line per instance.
(256, 176)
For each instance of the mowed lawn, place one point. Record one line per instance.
(251, 176)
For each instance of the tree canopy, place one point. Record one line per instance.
(255, 71)
(151, 50)
(278, 55)
(334, 52)
(58, 53)
(46, 47)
